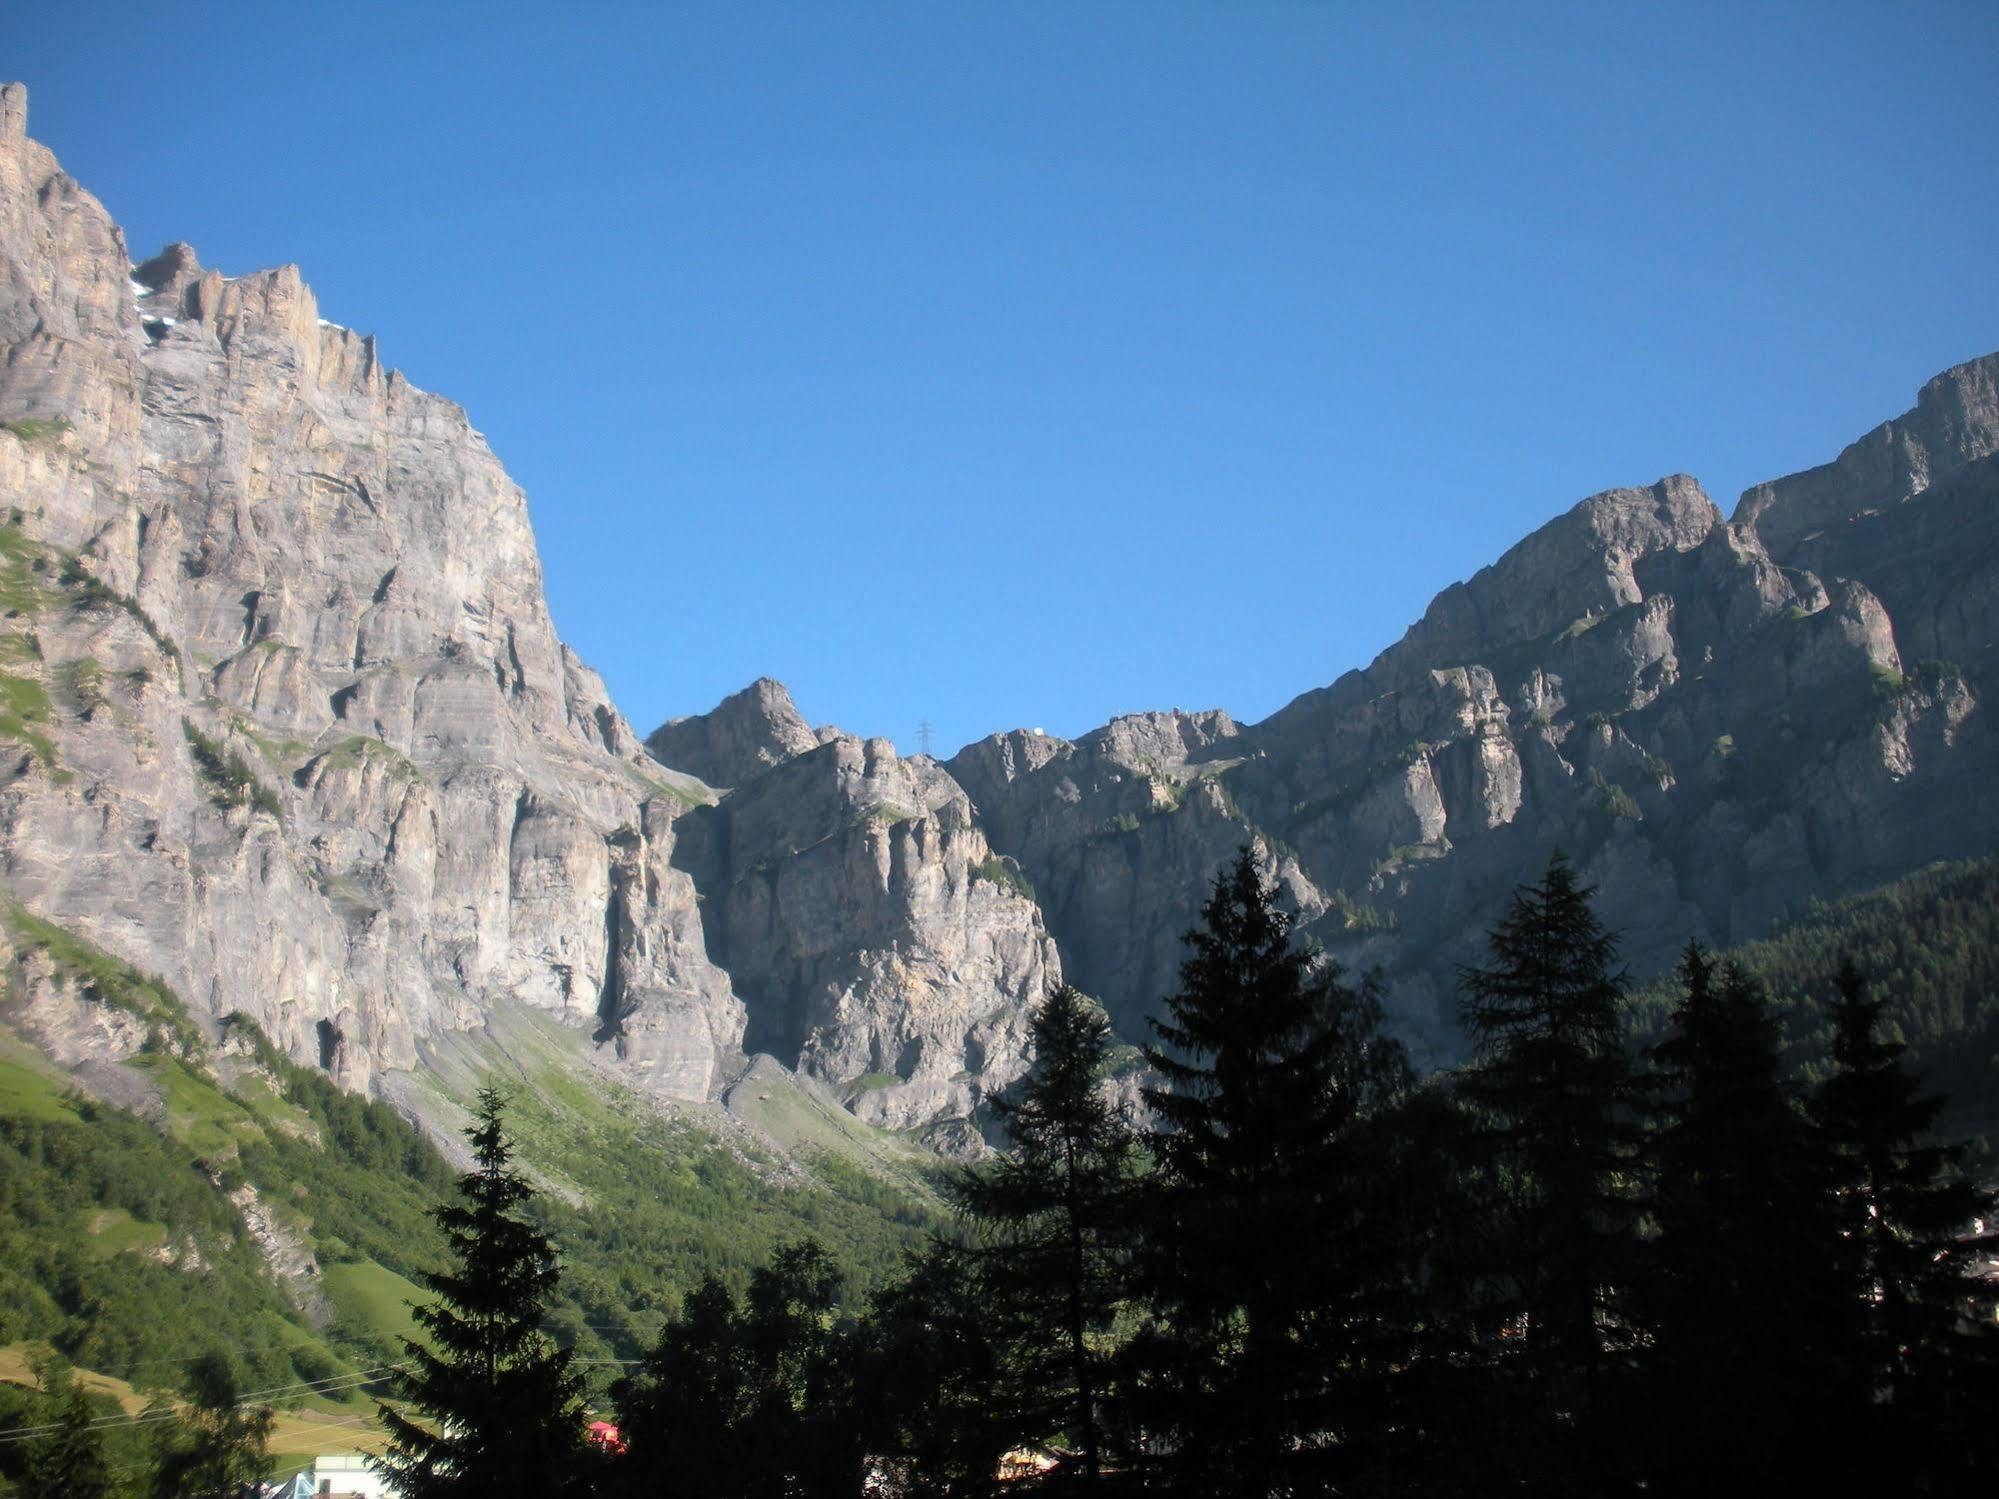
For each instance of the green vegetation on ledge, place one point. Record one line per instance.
(231, 782)
(107, 979)
(44, 430)
(1006, 874)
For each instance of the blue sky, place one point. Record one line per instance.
(1010, 364)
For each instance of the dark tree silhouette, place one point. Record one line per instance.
(747, 1400)
(925, 1371)
(1051, 1221)
(1742, 1294)
(496, 1401)
(217, 1450)
(1917, 1352)
(1261, 1267)
(1556, 1092)
(69, 1460)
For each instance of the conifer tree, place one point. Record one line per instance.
(1559, 1102)
(1917, 1354)
(1741, 1292)
(1258, 1265)
(1051, 1222)
(496, 1401)
(747, 1399)
(69, 1460)
(685, 1410)
(926, 1369)
(217, 1450)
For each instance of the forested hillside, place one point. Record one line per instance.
(1931, 944)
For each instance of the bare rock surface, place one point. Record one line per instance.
(1955, 422)
(870, 931)
(304, 742)
(1119, 835)
(285, 722)
(739, 739)
(1717, 720)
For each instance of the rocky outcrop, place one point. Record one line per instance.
(739, 739)
(1716, 727)
(1955, 422)
(872, 934)
(297, 733)
(1120, 834)
(285, 721)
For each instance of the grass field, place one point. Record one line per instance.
(373, 1298)
(31, 1088)
(114, 1231)
(317, 1425)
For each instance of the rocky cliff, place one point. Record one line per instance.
(1717, 720)
(873, 935)
(1716, 726)
(292, 729)
(290, 726)
(284, 720)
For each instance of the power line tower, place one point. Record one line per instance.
(923, 732)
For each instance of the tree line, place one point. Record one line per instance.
(1573, 1265)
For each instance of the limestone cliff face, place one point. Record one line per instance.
(1717, 720)
(739, 739)
(296, 730)
(1121, 833)
(873, 937)
(1955, 423)
(285, 721)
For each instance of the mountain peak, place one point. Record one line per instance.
(1954, 423)
(738, 739)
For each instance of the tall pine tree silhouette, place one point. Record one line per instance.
(1051, 1220)
(1917, 1352)
(1257, 1269)
(1560, 1105)
(1742, 1293)
(496, 1402)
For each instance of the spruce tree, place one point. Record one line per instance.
(496, 1402)
(927, 1369)
(217, 1449)
(69, 1460)
(1917, 1352)
(749, 1399)
(1741, 1294)
(1052, 1229)
(1559, 1104)
(1259, 1263)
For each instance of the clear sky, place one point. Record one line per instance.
(1022, 364)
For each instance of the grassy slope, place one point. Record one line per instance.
(374, 1300)
(643, 1203)
(300, 1433)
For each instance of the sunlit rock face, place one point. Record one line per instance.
(869, 929)
(314, 752)
(1717, 720)
(286, 723)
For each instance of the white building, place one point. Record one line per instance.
(339, 1476)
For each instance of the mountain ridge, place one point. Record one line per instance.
(296, 733)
